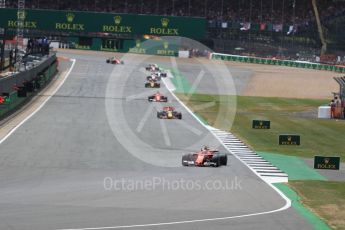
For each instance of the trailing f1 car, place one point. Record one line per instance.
(153, 77)
(152, 84)
(152, 67)
(157, 97)
(114, 60)
(205, 158)
(169, 112)
(160, 73)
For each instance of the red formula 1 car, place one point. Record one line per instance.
(205, 158)
(169, 112)
(114, 60)
(152, 84)
(157, 97)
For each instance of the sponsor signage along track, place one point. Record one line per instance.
(76, 21)
(322, 162)
(289, 139)
(261, 124)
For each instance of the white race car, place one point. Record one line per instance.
(152, 67)
(153, 77)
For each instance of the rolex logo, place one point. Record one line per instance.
(165, 22)
(117, 19)
(166, 45)
(326, 160)
(70, 17)
(289, 138)
(137, 43)
(21, 15)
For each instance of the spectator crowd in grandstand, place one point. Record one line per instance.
(289, 16)
(255, 11)
(268, 17)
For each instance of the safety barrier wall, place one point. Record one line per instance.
(268, 61)
(163, 47)
(7, 83)
(39, 77)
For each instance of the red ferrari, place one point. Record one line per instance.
(114, 60)
(205, 158)
(157, 97)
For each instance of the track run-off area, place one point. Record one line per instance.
(95, 156)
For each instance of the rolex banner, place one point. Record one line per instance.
(68, 21)
(287, 139)
(321, 162)
(261, 124)
(162, 47)
(166, 46)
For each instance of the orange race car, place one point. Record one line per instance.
(157, 97)
(205, 158)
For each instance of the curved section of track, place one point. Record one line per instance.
(53, 167)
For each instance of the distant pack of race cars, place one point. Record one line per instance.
(203, 158)
(153, 81)
(156, 74)
(206, 157)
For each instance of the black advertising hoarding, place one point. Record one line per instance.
(261, 124)
(321, 162)
(289, 139)
(76, 21)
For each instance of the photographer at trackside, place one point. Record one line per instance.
(333, 105)
(343, 106)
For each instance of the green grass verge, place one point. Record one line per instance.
(182, 85)
(325, 198)
(295, 167)
(287, 116)
(296, 203)
(318, 136)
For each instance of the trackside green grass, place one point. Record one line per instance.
(311, 193)
(296, 202)
(325, 198)
(295, 167)
(287, 116)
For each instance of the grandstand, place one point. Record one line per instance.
(280, 28)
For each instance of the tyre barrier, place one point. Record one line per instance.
(267, 61)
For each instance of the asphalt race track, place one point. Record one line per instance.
(98, 130)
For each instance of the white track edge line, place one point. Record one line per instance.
(286, 206)
(41, 105)
(178, 222)
(288, 201)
